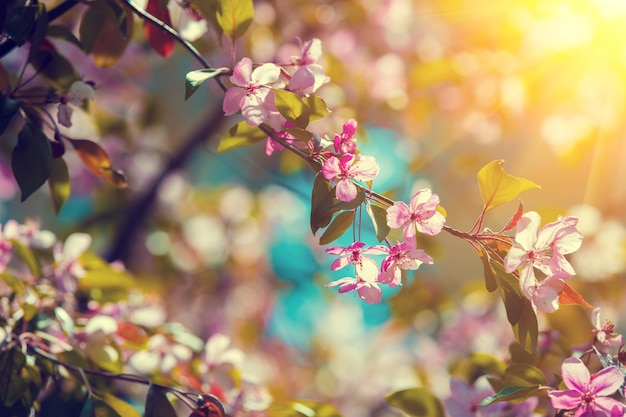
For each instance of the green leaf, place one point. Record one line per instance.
(416, 402)
(55, 69)
(157, 404)
(292, 108)
(322, 199)
(234, 17)
(475, 365)
(19, 23)
(318, 109)
(324, 204)
(512, 393)
(59, 183)
(242, 134)
(8, 109)
(88, 408)
(337, 227)
(379, 220)
(26, 255)
(12, 386)
(490, 275)
(498, 187)
(526, 330)
(509, 291)
(63, 33)
(193, 79)
(300, 134)
(31, 160)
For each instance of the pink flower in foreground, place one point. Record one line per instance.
(586, 393)
(342, 170)
(420, 215)
(402, 256)
(251, 93)
(346, 142)
(542, 249)
(605, 331)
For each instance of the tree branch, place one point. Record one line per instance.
(136, 214)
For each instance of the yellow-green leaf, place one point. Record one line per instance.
(59, 183)
(337, 227)
(109, 406)
(317, 107)
(416, 402)
(498, 187)
(234, 17)
(292, 108)
(242, 134)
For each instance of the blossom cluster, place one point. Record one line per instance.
(543, 249)
(420, 215)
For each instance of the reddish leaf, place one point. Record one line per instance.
(159, 40)
(513, 222)
(97, 161)
(568, 296)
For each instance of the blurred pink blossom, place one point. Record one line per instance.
(76, 95)
(605, 330)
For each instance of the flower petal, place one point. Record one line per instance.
(526, 230)
(575, 374)
(606, 381)
(265, 74)
(346, 190)
(398, 215)
(565, 400)
(369, 292)
(242, 73)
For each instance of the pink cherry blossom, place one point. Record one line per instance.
(342, 170)
(346, 142)
(353, 254)
(605, 330)
(420, 215)
(544, 295)
(588, 394)
(251, 93)
(542, 249)
(367, 289)
(402, 256)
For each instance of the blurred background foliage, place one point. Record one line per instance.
(439, 89)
